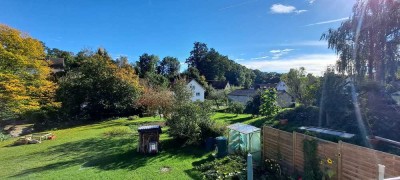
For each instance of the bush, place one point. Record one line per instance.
(191, 122)
(135, 117)
(213, 130)
(253, 106)
(236, 108)
(116, 132)
(4, 137)
(230, 167)
(47, 117)
(273, 171)
(306, 116)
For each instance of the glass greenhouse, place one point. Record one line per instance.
(245, 138)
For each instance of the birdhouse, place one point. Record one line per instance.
(149, 139)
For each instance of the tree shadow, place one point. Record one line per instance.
(259, 123)
(107, 154)
(225, 117)
(202, 161)
(117, 123)
(240, 120)
(172, 148)
(195, 174)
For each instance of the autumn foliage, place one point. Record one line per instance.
(24, 74)
(157, 100)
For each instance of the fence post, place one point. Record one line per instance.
(381, 170)
(339, 161)
(294, 151)
(262, 144)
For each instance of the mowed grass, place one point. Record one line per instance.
(229, 118)
(86, 153)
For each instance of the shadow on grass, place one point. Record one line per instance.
(261, 122)
(200, 162)
(119, 123)
(193, 173)
(108, 154)
(224, 118)
(240, 120)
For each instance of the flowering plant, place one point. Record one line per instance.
(328, 165)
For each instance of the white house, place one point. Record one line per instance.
(197, 90)
(281, 86)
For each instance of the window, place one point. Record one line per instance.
(197, 94)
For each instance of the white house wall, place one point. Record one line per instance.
(281, 86)
(197, 91)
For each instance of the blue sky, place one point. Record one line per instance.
(270, 35)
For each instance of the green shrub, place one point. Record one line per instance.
(191, 122)
(236, 108)
(48, 117)
(116, 132)
(4, 137)
(306, 116)
(253, 106)
(311, 161)
(212, 130)
(230, 167)
(135, 117)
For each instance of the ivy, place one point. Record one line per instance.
(311, 161)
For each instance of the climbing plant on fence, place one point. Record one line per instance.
(311, 161)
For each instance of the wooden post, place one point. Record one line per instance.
(339, 161)
(262, 144)
(294, 152)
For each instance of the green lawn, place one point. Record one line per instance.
(241, 118)
(85, 153)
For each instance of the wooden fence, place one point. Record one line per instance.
(349, 161)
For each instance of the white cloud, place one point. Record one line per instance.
(285, 9)
(328, 21)
(287, 50)
(279, 8)
(314, 63)
(277, 53)
(300, 11)
(311, 1)
(258, 58)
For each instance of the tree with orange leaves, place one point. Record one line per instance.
(157, 100)
(24, 75)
